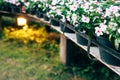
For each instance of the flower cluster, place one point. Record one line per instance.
(55, 9)
(111, 23)
(100, 17)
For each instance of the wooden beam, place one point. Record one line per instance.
(27, 16)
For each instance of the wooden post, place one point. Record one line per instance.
(67, 49)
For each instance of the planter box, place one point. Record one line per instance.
(15, 9)
(39, 14)
(46, 18)
(106, 54)
(81, 40)
(6, 7)
(54, 22)
(64, 28)
(9, 7)
(32, 12)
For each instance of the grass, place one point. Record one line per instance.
(29, 62)
(20, 61)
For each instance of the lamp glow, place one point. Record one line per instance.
(21, 21)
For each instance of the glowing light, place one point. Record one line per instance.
(21, 21)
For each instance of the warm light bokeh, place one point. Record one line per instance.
(21, 21)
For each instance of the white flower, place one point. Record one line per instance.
(36, 0)
(78, 1)
(73, 7)
(103, 27)
(113, 26)
(105, 21)
(99, 10)
(68, 18)
(91, 9)
(50, 13)
(117, 14)
(85, 6)
(118, 30)
(98, 31)
(107, 13)
(74, 17)
(12, 1)
(58, 12)
(71, 0)
(94, 2)
(114, 9)
(46, 5)
(68, 15)
(62, 3)
(52, 7)
(85, 19)
(54, 2)
(63, 18)
(39, 5)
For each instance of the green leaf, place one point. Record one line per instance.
(116, 44)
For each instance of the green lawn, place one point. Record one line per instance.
(20, 61)
(29, 62)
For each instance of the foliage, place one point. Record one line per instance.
(34, 6)
(55, 9)
(5, 6)
(110, 24)
(30, 34)
(8, 21)
(9, 5)
(1, 1)
(26, 34)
